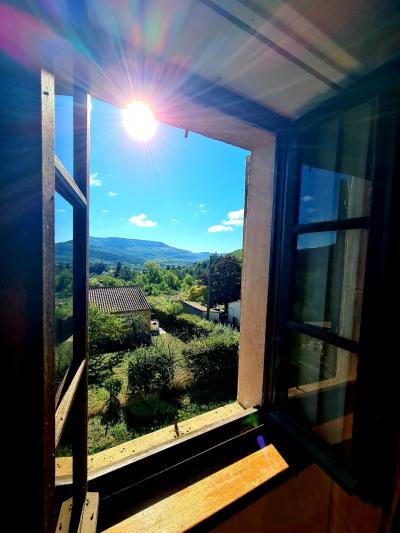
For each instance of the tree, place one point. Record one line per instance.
(112, 412)
(103, 327)
(225, 277)
(198, 294)
(150, 370)
(117, 272)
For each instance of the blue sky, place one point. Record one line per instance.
(168, 189)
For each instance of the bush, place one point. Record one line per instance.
(150, 369)
(111, 333)
(193, 326)
(63, 356)
(213, 364)
(103, 326)
(101, 366)
(148, 414)
(166, 313)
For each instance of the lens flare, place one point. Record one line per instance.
(139, 122)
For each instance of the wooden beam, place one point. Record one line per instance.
(81, 119)
(60, 388)
(90, 510)
(27, 287)
(67, 401)
(66, 186)
(64, 518)
(198, 502)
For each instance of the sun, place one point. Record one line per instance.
(139, 121)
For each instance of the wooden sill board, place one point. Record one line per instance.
(194, 504)
(142, 445)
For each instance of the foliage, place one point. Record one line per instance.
(63, 356)
(117, 271)
(98, 267)
(103, 325)
(225, 280)
(98, 440)
(149, 413)
(63, 280)
(101, 366)
(135, 323)
(213, 363)
(106, 280)
(193, 326)
(111, 414)
(166, 313)
(63, 319)
(155, 280)
(198, 294)
(150, 370)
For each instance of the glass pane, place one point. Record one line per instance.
(334, 176)
(63, 301)
(64, 131)
(321, 389)
(328, 287)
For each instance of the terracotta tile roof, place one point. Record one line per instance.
(119, 299)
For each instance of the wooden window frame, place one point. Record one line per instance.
(372, 482)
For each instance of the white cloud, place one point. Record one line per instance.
(174, 220)
(105, 211)
(112, 194)
(201, 206)
(203, 210)
(94, 182)
(307, 198)
(219, 227)
(235, 218)
(121, 219)
(142, 221)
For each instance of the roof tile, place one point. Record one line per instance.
(119, 299)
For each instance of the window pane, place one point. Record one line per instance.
(63, 300)
(334, 176)
(329, 280)
(64, 131)
(321, 389)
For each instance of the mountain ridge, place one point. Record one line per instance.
(130, 251)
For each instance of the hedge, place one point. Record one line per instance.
(150, 370)
(213, 363)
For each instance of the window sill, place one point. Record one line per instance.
(202, 500)
(140, 447)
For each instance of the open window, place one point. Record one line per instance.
(332, 216)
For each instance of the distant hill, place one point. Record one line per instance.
(130, 251)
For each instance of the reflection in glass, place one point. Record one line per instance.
(328, 286)
(327, 195)
(335, 182)
(63, 300)
(321, 388)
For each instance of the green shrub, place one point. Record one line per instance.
(150, 369)
(213, 364)
(101, 366)
(111, 415)
(193, 326)
(149, 414)
(166, 312)
(63, 356)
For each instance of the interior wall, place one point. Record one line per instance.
(309, 502)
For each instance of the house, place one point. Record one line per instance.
(311, 89)
(234, 313)
(121, 301)
(194, 308)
